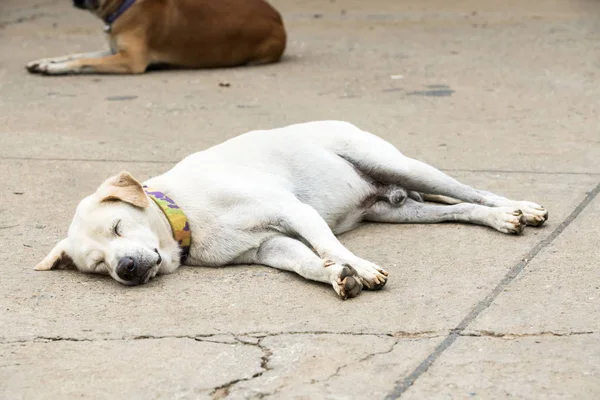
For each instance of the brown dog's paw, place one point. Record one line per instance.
(33, 66)
(49, 66)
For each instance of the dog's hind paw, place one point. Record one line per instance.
(535, 215)
(508, 220)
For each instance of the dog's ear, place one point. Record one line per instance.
(123, 187)
(57, 258)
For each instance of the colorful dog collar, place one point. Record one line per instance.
(176, 217)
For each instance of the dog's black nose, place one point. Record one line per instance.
(128, 263)
(125, 268)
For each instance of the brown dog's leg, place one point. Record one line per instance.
(119, 63)
(32, 66)
(270, 50)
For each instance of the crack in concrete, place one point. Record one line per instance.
(223, 390)
(419, 335)
(501, 171)
(218, 392)
(404, 384)
(87, 160)
(248, 339)
(125, 338)
(171, 162)
(280, 333)
(48, 339)
(507, 335)
(244, 338)
(367, 357)
(235, 337)
(262, 395)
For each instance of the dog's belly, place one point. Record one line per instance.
(333, 187)
(341, 202)
(343, 214)
(347, 221)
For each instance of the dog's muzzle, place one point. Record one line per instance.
(133, 272)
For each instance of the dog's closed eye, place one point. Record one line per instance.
(116, 228)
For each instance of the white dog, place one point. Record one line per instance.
(276, 198)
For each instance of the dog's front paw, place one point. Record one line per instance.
(39, 66)
(347, 283)
(33, 66)
(47, 66)
(367, 274)
(371, 276)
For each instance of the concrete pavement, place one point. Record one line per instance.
(502, 95)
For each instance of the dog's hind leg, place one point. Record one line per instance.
(289, 254)
(503, 219)
(382, 162)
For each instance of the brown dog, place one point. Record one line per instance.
(183, 33)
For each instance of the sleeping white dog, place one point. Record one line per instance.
(275, 198)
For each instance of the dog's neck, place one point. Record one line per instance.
(159, 223)
(110, 10)
(175, 217)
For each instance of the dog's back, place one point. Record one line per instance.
(207, 33)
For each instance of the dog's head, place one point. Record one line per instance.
(117, 231)
(91, 5)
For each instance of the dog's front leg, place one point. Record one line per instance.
(289, 254)
(33, 65)
(119, 63)
(304, 221)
